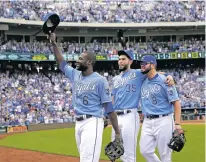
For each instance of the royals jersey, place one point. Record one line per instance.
(157, 97)
(88, 92)
(126, 89)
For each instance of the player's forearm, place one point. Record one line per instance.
(177, 109)
(113, 119)
(57, 53)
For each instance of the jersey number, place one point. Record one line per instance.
(130, 87)
(154, 100)
(85, 100)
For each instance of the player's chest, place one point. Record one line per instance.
(85, 87)
(122, 81)
(149, 89)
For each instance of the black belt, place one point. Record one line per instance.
(83, 117)
(123, 112)
(155, 116)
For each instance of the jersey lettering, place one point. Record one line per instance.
(147, 92)
(121, 81)
(84, 87)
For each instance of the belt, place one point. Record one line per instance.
(155, 116)
(83, 117)
(123, 112)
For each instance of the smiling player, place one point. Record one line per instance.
(90, 95)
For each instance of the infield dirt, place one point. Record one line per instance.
(17, 155)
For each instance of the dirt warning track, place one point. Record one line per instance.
(18, 155)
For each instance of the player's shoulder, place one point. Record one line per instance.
(70, 68)
(99, 77)
(76, 73)
(161, 78)
(138, 72)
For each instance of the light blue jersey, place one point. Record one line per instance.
(126, 89)
(89, 92)
(157, 97)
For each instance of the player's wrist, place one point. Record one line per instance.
(118, 137)
(177, 122)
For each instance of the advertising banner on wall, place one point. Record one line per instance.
(14, 129)
(99, 57)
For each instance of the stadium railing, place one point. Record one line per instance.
(103, 25)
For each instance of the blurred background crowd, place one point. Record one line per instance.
(106, 11)
(150, 47)
(35, 96)
(31, 97)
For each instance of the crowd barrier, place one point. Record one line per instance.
(35, 127)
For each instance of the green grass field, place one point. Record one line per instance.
(62, 141)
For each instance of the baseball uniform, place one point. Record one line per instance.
(126, 93)
(158, 124)
(89, 93)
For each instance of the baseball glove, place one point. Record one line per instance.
(115, 149)
(177, 141)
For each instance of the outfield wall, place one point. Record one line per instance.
(36, 127)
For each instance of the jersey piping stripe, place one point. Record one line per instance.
(172, 118)
(95, 139)
(135, 138)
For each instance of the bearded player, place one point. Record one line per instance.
(158, 102)
(126, 95)
(90, 93)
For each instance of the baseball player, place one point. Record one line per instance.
(158, 102)
(126, 95)
(90, 94)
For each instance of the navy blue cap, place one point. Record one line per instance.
(52, 20)
(130, 54)
(149, 59)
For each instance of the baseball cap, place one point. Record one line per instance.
(126, 52)
(149, 59)
(52, 20)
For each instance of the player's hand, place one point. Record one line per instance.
(179, 128)
(170, 81)
(118, 137)
(52, 37)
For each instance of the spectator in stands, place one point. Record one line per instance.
(196, 114)
(192, 45)
(109, 11)
(50, 103)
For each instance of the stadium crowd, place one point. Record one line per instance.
(105, 11)
(33, 97)
(150, 47)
